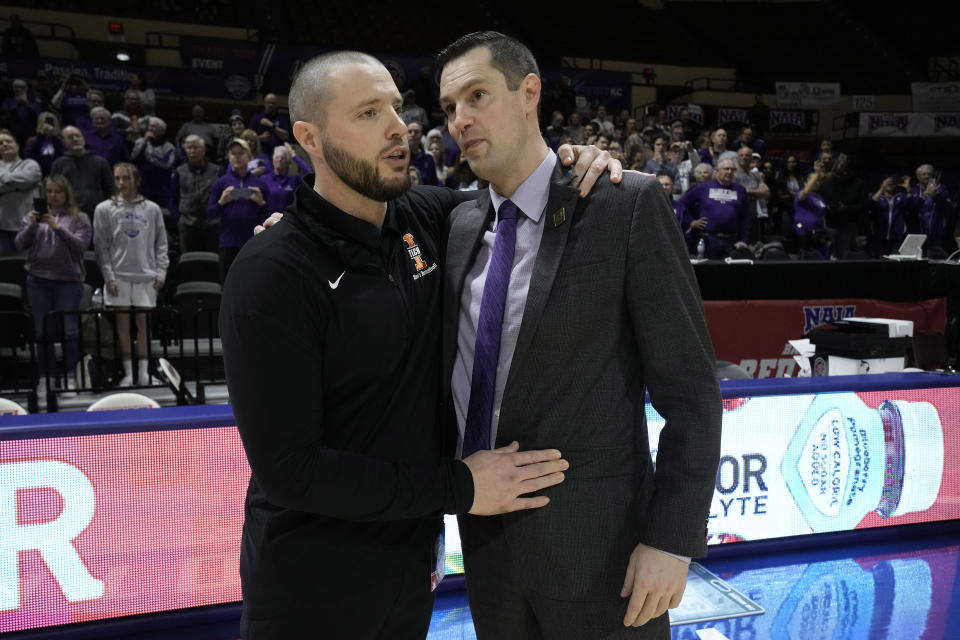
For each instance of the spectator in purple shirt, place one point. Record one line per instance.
(55, 242)
(420, 158)
(809, 214)
(719, 212)
(930, 201)
(154, 157)
(46, 146)
(281, 184)
(103, 140)
(237, 199)
(272, 127)
(20, 112)
(888, 207)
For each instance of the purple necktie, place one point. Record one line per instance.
(486, 354)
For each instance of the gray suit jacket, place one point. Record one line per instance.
(613, 311)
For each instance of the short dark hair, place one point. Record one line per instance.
(508, 55)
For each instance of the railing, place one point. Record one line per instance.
(18, 355)
(188, 338)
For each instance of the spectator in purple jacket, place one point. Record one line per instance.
(809, 213)
(103, 140)
(237, 199)
(719, 212)
(930, 202)
(46, 146)
(272, 127)
(154, 157)
(55, 242)
(19, 112)
(888, 208)
(281, 184)
(420, 158)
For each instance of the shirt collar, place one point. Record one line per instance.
(532, 194)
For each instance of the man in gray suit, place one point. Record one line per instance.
(559, 313)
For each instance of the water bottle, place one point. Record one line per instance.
(701, 249)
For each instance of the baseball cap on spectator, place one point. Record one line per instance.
(236, 115)
(239, 141)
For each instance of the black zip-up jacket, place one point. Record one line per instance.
(331, 343)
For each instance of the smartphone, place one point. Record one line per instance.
(253, 164)
(242, 192)
(50, 120)
(40, 205)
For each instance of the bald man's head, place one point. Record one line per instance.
(310, 93)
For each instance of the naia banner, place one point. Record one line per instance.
(754, 333)
(909, 124)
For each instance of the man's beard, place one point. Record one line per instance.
(362, 177)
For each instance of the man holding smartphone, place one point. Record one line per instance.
(236, 198)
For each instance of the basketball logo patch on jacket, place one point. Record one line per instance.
(413, 250)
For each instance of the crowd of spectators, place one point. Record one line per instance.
(732, 198)
(76, 176)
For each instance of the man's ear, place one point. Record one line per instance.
(308, 135)
(530, 86)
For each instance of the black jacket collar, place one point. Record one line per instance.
(357, 242)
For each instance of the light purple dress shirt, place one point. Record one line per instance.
(531, 198)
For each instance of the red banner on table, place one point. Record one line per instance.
(753, 333)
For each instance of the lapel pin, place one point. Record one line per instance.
(559, 217)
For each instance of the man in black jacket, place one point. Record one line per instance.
(331, 340)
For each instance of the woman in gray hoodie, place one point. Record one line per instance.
(131, 246)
